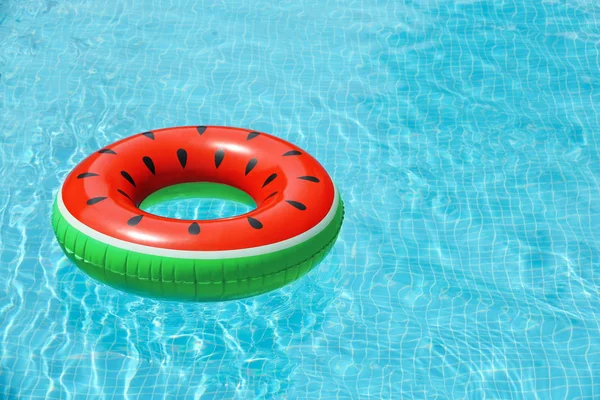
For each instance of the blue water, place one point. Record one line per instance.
(464, 137)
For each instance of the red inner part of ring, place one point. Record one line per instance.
(103, 191)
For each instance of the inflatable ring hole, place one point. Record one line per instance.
(198, 201)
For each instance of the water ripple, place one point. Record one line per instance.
(463, 138)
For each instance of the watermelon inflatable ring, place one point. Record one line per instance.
(100, 223)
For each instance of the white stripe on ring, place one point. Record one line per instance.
(192, 254)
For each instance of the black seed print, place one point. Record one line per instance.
(292, 153)
(219, 155)
(194, 228)
(255, 223)
(106, 151)
(269, 179)
(310, 178)
(95, 200)
(296, 204)
(201, 129)
(251, 164)
(252, 135)
(135, 220)
(182, 157)
(125, 175)
(124, 194)
(86, 175)
(150, 164)
(269, 196)
(149, 135)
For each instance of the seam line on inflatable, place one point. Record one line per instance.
(196, 282)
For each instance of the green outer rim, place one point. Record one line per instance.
(182, 279)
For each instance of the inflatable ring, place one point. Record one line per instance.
(100, 224)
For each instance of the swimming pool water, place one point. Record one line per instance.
(463, 136)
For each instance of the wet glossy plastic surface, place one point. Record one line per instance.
(293, 192)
